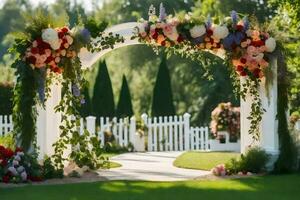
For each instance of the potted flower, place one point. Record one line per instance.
(225, 122)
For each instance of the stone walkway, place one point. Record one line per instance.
(149, 166)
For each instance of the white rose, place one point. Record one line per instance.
(270, 44)
(13, 170)
(15, 162)
(17, 158)
(69, 39)
(50, 35)
(198, 31)
(20, 169)
(55, 45)
(24, 176)
(220, 32)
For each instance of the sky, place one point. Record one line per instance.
(87, 3)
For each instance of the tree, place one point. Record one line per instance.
(124, 107)
(103, 97)
(162, 103)
(86, 107)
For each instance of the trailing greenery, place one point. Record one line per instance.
(287, 160)
(124, 107)
(86, 106)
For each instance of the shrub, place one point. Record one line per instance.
(7, 141)
(49, 171)
(254, 161)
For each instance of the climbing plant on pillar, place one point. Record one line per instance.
(48, 50)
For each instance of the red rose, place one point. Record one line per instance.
(2, 149)
(218, 45)
(240, 68)
(19, 149)
(61, 34)
(4, 162)
(44, 46)
(256, 73)
(39, 41)
(31, 59)
(155, 35)
(34, 50)
(211, 41)
(243, 73)
(209, 32)
(239, 27)
(8, 153)
(180, 39)
(257, 43)
(163, 43)
(243, 60)
(65, 30)
(5, 179)
(49, 59)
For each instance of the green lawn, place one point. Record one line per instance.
(112, 164)
(268, 188)
(203, 160)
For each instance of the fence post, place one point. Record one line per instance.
(91, 124)
(132, 129)
(186, 118)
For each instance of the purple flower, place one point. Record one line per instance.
(86, 34)
(246, 23)
(75, 90)
(208, 22)
(238, 37)
(228, 41)
(162, 12)
(82, 101)
(234, 17)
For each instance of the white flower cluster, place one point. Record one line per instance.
(16, 169)
(50, 36)
(197, 31)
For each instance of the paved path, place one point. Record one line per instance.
(150, 166)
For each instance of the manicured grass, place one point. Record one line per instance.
(266, 188)
(112, 164)
(203, 160)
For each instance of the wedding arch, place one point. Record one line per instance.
(50, 60)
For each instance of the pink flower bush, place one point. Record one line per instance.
(219, 170)
(225, 117)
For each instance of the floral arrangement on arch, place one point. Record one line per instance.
(225, 117)
(49, 50)
(247, 46)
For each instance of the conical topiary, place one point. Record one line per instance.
(103, 97)
(124, 107)
(162, 102)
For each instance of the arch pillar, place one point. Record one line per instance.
(48, 122)
(269, 124)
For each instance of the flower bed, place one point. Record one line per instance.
(225, 117)
(18, 167)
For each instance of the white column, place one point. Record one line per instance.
(186, 118)
(269, 125)
(48, 122)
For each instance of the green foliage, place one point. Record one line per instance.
(162, 102)
(49, 170)
(287, 160)
(124, 107)
(6, 95)
(8, 141)
(86, 108)
(255, 161)
(103, 98)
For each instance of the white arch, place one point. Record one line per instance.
(269, 137)
(126, 30)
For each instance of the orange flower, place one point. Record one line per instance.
(160, 39)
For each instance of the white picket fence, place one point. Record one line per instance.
(174, 133)
(122, 128)
(6, 124)
(171, 133)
